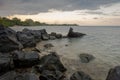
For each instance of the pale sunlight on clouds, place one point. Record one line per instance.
(105, 15)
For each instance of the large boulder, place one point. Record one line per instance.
(51, 68)
(79, 75)
(25, 59)
(114, 74)
(6, 63)
(8, 40)
(73, 34)
(86, 58)
(44, 34)
(50, 62)
(26, 39)
(51, 75)
(35, 33)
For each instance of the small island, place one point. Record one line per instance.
(28, 22)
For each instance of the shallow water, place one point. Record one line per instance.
(102, 42)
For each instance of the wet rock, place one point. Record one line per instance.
(26, 76)
(52, 37)
(6, 63)
(25, 59)
(114, 74)
(36, 50)
(13, 75)
(49, 45)
(53, 34)
(35, 33)
(79, 75)
(58, 36)
(8, 40)
(26, 39)
(50, 62)
(51, 75)
(73, 34)
(86, 58)
(44, 34)
(45, 37)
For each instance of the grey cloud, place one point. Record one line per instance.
(34, 6)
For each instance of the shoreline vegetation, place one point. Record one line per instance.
(28, 22)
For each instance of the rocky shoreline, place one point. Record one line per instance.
(21, 60)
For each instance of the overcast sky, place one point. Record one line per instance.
(83, 12)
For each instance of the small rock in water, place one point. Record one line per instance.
(72, 34)
(49, 45)
(114, 74)
(86, 58)
(79, 75)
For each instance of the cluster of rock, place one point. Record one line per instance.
(15, 63)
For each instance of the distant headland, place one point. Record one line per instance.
(28, 22)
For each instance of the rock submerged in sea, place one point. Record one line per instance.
(72, 34)
(8, 40)
(86, 58)
(49, 45)
(80, 75)
(114, 73)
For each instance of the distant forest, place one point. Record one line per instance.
(28, 22)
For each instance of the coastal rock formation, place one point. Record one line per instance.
(79, 75)
(86, 58)
(55, 35)
(72, 34)
(13, 75)
(25, 59)
(26, 39)
(114, 74)
(51, 62)
(8, 40)
(51, 67)
(5, 63)
(35, 33)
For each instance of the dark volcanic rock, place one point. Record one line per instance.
(12, 75)
(73, 34)
(26, 39)
(51, 68)
(51, 75)
(50, 62)
(52, 37)
(58, 36)
(8, 40)
(44, 35)
(49, 45)
(5, 63)
(79, 75)
(25, 59)
(114, 74)
(86, 58)
(35, 33)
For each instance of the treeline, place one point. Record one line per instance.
(28, 22)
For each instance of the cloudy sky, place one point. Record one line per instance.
(82, 12)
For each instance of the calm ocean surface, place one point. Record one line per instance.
(102, 42)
